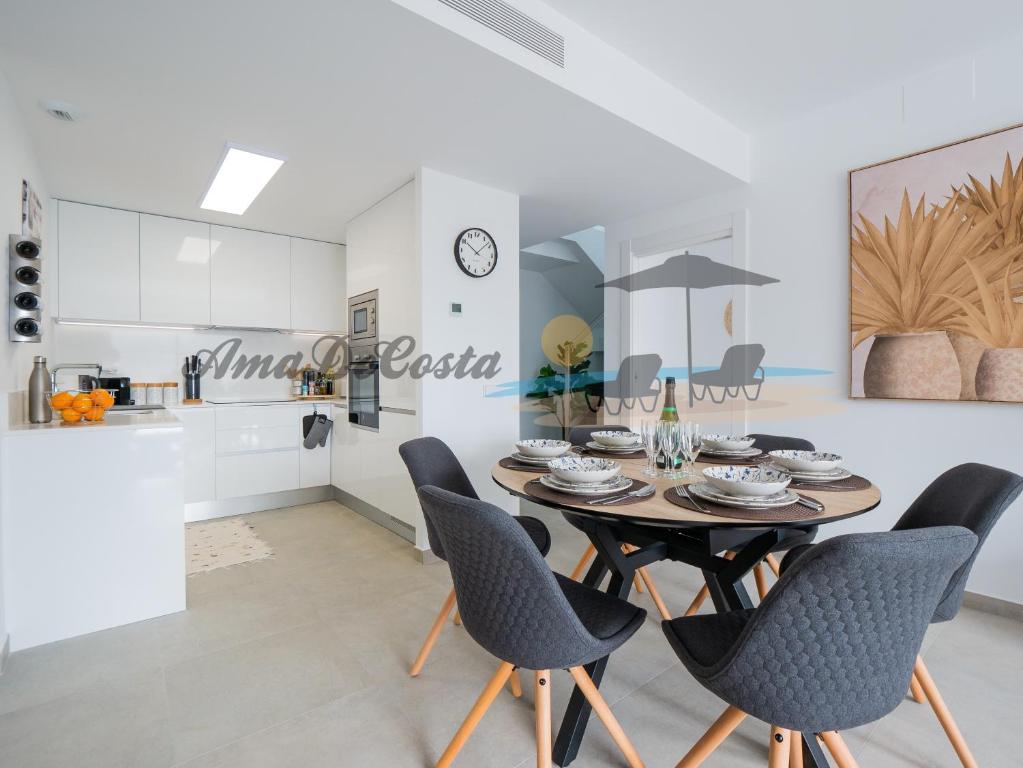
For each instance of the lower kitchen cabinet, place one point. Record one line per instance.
(367, 465)
(250, 474)
(200, 437)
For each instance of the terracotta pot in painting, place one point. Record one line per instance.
(912, 366)
(1000, 375)
(968, 351)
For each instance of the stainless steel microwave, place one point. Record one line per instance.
(362, 319)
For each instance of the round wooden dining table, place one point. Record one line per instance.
(629, 536)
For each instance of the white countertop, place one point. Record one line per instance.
(114, 420)
(228, 402)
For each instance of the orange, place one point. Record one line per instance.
(71, 416)
(95, 413)
(61, 400)
(82, 403)
(102, 398)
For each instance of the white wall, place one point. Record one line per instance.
(17, 162)
(798, 218)
(478, 429)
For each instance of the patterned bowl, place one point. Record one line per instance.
(543, 449)
(616, 439)
(727, 442)
(807, 461)
(579, 469)
(747, 481)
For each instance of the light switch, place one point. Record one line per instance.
(456, 309)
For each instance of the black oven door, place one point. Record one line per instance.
(364, 394)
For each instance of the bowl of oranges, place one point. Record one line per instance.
(82, 407)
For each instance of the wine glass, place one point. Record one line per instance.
(671, 443)
(691, 444)
(648, 432)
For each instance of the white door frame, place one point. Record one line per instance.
(631, 253)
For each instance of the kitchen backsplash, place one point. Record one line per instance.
(150, 354)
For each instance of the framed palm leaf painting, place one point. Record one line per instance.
(936, 273)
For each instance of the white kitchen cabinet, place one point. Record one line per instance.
(174, 265)
(367, 465)
(200, 437)
(314, 463)
(257, 450)
(250, 278)
(318, 298)
(98, 269)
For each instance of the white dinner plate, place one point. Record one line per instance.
(590, 489)
(709, 493)
(614, 449)
(839, 473)
(523, 459)
(748, 453)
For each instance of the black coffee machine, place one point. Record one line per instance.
(119, 387)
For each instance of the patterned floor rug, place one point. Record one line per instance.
(215, 544)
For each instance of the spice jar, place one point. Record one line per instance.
(154, 394)
(170, 393)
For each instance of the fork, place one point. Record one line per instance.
(681, 489)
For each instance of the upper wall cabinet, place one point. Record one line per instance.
(175, 270)
(98, 271)
(318, 299)
(251, 278)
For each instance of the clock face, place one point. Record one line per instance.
(475, 252)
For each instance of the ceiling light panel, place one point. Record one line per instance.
(239, 179)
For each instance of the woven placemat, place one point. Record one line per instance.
(707, 458)
(854, 483)
(509, 463)
(778, 514)
(538, 490)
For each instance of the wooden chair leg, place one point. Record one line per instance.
(836, 746)
(654, 594)
(516, 684)
(542, 697)
(795, 749)
(713, 738)
(479, 709)
(781, 744)
(438, 625)
(775, 566)
(600, 707)
(944, 716)
(457, 621)
(703, 594)
(577, 572)
(916, 691)
(761, 578)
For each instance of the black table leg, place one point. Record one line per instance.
(577, 714)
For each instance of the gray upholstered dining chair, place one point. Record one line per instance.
(973, 496)
(831, 647)
(527, 616)
(580, 436)
(431, 462)
(767, 443)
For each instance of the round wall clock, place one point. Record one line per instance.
(475, 252)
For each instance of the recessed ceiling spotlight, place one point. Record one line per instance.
(61, 110)
(239, 178)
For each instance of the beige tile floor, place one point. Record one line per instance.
(301, 661)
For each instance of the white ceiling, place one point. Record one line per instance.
(355, 94)
(757, 62)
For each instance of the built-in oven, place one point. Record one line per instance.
(362, 319)
(364, 387)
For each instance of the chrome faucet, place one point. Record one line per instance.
(66, 366)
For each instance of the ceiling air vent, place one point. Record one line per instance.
(60, 110)
(512, 23)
